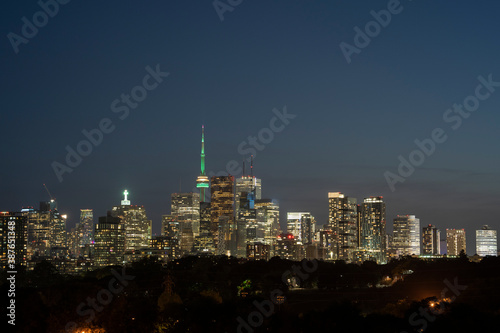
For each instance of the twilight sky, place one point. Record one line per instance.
(352, 120)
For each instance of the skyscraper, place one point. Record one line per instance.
(222, 190)
(39, 232)
(431, 240)
(372, 225)
(486, 242)
(455, 242)
(185, 208)
(13, 240)
(136, 224)
(46, 229)
(406, 239)
(268, 218)
(170, 227)
(109, 236)
(302, 226)
(204, 243)
(248, 230)
(202, 181)
(343, 225)
(85, 230)
(247, 184)
(287, 247)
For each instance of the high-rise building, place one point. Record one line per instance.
(268, 219)
(13, 240)
(286, 247)
(85, 230)
(136, 224)
(204, 243)
(406, 239)
(372, 229)
(225, 240)
(258, 251)
(431, 240)
(486, 242)
(186, 209)
(455, 242)
(248, 229)
(222, 191)
(46, 229)
(170, 227)
(302, 226)
(58, 230)
(247, 184)
(39, 232)
(165, 248)
(202, 181)
(72, 239)
(343, 224)
(109, 236)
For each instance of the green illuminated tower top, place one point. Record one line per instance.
(202, 181)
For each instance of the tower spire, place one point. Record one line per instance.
(202, 181)
(202, 150)
(251, 166)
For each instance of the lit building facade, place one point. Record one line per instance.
(46, 229)
(136, 224)
(268, 218)
(486, 242)
(13, 240)
(257, 251)
(164, 247)
(204, 243)
(85, 230)
(372, 229)
(302, 226)
(222, 194)
(109, 236)
(287, 248)
(247, 184)
(248, 230)
(406, 235)
(455, 242)
(431, 240)
(342, 220)
(186, 209)
(170, 226)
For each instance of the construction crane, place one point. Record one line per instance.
(50, 195)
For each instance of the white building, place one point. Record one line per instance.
(486, 242)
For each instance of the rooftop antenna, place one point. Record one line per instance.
(243, 174)
(251, 166)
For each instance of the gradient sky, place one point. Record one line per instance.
(352, 120)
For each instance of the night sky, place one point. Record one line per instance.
(352, 120)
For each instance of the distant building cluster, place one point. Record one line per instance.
(227, 217)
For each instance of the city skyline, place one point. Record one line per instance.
(238, 181)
